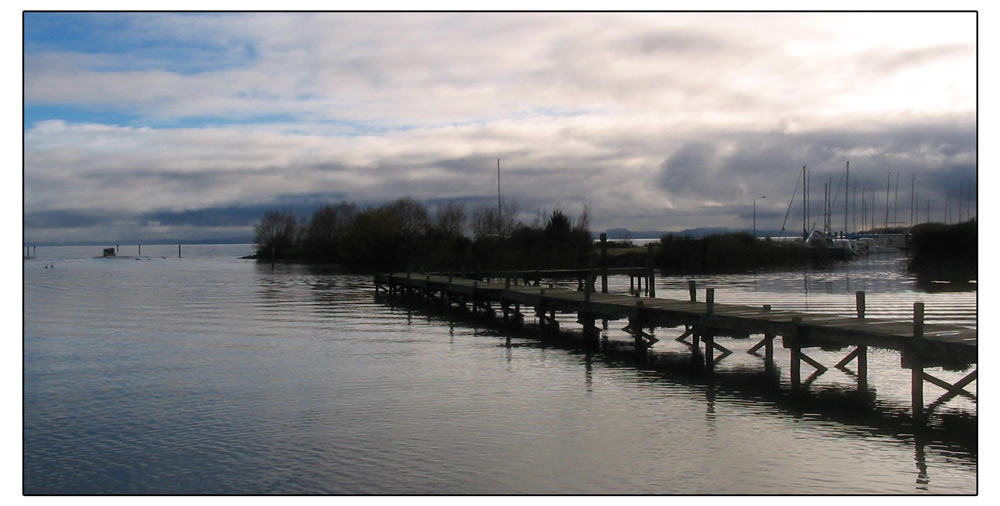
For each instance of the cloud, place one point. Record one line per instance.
(668, 120)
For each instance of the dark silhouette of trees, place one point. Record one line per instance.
(275, 235)
(449, 220)
(403, 234)
(323, 235)
(487, 220)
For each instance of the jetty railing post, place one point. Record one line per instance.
(693, 290)
(709, 301)
(918, 319)
(604, 263)
(859, 297)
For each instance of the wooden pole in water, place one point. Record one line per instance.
(918, 319)
(796, 356)
(917, 391)
(650, 272)
(709, 301)
(178, 251)
(693, 290)
(604, 263)
(709, 351)
(862, 367)
(859, 297)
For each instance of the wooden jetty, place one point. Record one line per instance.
(921, 346)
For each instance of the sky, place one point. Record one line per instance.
(165, 127)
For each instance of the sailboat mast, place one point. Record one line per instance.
(499, 203)
(805, 203)
(847, 186)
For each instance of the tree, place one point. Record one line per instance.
(328, 226)
(275, 234)
(450, 219)
(373, 239)
(412, 215)
(487, 221)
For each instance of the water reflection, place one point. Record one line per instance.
(851, 411)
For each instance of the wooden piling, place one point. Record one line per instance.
(650, 272)
(709, 351)
(795, 371)
(800, 331)
(769, 352)
(917, 391)
(862, 367)
(918, 319)
(178, 251)
(859, 301)
(693, 290)
(604, 263)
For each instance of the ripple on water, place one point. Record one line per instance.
(209, 376)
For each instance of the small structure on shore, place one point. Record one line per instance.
(109, 252)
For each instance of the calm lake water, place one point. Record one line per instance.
(208, 374)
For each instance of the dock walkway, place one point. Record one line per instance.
(920, 345)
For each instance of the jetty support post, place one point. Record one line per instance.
(693, 290)
(604, 263)
(650, 272)
(768, 344)
(917, 365)
(918, 319)
(859, 298)
(795, 370)
(917, 390)
(709, 339)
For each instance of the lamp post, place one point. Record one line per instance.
(755, 214)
